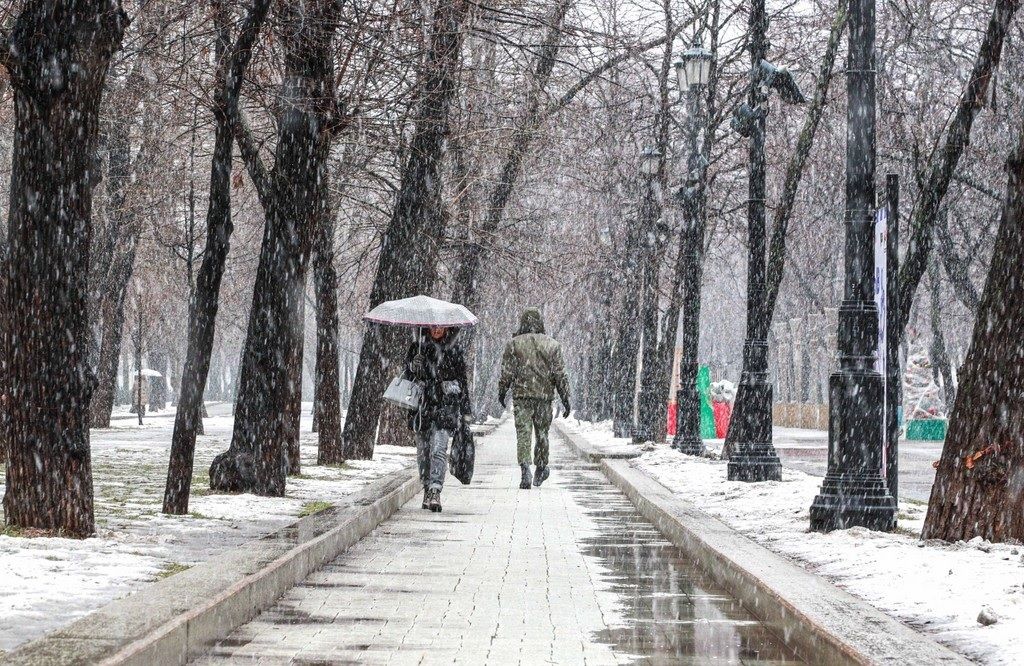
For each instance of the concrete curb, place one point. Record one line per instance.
(174, 620)
(818, 621)
(590, 452)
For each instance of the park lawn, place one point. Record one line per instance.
(48, 582)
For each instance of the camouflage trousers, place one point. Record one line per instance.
(533, 418)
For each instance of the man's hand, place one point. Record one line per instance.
(502, 397)
(565, 409)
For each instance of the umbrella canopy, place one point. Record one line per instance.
(421, 311)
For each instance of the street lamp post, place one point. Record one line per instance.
(693, 71)
(650, 164)
(754, 458)
(854, 492)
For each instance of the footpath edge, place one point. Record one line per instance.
(821, 623)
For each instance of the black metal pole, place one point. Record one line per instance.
(854, 492)
(687, 438)
(894, 375)
(755, 458)
(643, 429)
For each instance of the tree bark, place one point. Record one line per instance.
(408, 256)
(57, 56)
(983, 497)
(784, 213)
(233, 61)
(922, 224)
(327, 392)
(290, 195)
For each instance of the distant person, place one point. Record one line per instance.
(439, 366)
(534, 369)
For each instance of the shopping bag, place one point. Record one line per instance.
(461, 456)
(404, 393)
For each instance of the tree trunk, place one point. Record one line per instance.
(57, 56)
(408, 256)
(977, 486)
(466, 287)
(922, 224)
(203, 310)
(327, 391)
(784, 212)
(293, 393)
(627, 344)
(291, 198)
(937, 353)
(112, 312)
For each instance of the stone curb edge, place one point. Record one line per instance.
(587, 451)
(179, 618)
(820, 622)
(194, 631)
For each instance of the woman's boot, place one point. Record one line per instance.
(527, 480)
(541, 476)
(434, 500)
(426, 498)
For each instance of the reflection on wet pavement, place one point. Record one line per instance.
(568, 573)
(670, 612)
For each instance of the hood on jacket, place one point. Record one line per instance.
(531, 322)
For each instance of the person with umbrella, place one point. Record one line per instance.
(438, 366)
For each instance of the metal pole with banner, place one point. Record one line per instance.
(881, 300)
(893, 375)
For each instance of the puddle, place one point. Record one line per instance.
(668, 610)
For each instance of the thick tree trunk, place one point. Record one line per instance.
(327, 391)
(57, 56)
(977, 489)
(291, 198)
(926, 211)
(408, 256)
(203, 310)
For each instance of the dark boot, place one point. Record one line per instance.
(426, 499)
(434, 500)
(541, 476)
(527, 481)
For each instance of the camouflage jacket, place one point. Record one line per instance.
(532, 365)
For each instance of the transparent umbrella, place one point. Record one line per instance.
(421, 311)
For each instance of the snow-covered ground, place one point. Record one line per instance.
(46, 582)
(937, 587)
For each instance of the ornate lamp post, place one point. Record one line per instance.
(650, 163)
(693, 71)
(854, 493)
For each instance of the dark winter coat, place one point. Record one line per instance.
(440, 367)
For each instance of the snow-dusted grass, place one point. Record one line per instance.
(46, 583)
(936, 587)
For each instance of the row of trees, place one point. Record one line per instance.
(484, 153)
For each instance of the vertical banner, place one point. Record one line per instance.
(882, 301)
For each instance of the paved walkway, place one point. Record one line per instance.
(565, 574)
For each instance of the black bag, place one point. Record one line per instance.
(462, 455)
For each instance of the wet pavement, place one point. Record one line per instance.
(568, 574)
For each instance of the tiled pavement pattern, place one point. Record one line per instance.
(567, 574)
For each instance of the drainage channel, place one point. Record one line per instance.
(667, 610)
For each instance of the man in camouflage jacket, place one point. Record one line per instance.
(533, 368)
